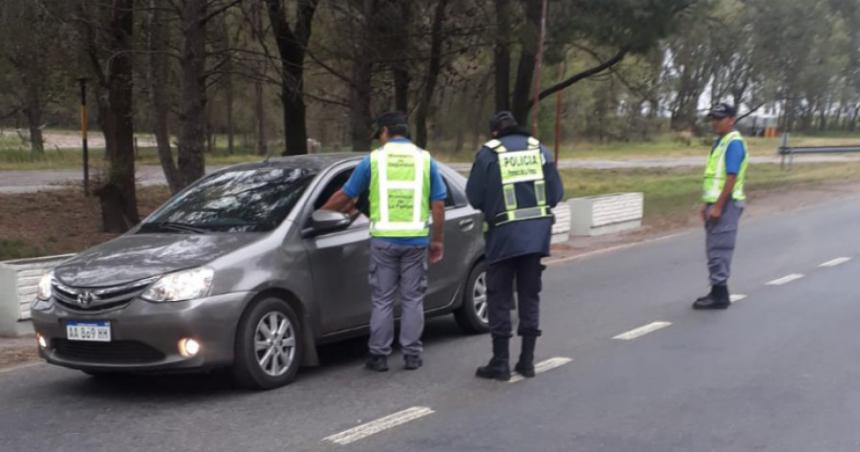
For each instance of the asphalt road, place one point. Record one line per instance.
(776, 372)
(38, 180)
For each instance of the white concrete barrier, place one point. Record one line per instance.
(606, 214)
(18, 282)
(561, 227)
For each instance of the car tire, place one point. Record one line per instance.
(267, 359)
(472, 315)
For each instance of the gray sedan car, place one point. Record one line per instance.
(242, 270)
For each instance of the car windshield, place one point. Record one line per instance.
(252, 200)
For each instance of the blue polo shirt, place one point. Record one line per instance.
(359, 182)
(735, 155)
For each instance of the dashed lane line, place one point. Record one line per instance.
(642, 330)
(835, 262)
(785, 279)
(384, 423)
(543, 366)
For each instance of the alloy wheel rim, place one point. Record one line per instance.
(274, 343)
(479, 297)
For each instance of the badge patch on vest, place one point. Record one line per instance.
(522, 166)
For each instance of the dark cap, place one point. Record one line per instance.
(395, 121)
(722, 110)
(502, 121)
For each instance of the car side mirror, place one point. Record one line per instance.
(323, 221)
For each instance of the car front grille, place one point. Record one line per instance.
(118, 352)
(98, 298)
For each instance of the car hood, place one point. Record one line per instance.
(136, 256)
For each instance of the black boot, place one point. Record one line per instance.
(498, 367)
(526, 365)
(706, 297)
(718, 299)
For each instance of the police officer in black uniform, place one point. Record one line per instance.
(515, 184)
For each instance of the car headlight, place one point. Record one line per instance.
(181, 286)
(44, 291)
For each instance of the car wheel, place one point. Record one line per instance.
(268, 345)
(473, 313)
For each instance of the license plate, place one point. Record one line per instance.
(95, 331)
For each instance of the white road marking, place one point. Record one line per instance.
(737, 297)
(642, 330)
(835, 262)
(542, 367)
(373, 427)
(785, 279)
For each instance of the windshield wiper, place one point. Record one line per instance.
(181, 227)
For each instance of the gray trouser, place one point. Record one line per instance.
(397, 270)
(720, 242)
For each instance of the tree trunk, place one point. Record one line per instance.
(400, 68)
(360, 117)
(502, 56)
(158, 82)
(118, 196)
(231, 131)
(529, 42)
(34, 120)
(224, 40)
(260, 117)
(480, 93)
(433, 69)
(291, 47)
(259, 106)
(192, 134)
(360, 91)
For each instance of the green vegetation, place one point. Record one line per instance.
(16, 249)
(675, 192)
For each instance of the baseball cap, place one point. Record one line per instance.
(391, 119)
(722, 110)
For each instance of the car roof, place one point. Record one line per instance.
(312, 162)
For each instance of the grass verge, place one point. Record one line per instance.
(674, 193)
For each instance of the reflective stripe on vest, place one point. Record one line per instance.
(399, 191)
(715, 171)
(517, 167)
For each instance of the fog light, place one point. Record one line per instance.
(41, 340)
(188, 347)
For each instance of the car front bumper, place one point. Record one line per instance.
(145, 336)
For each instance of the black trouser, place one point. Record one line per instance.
(526, 270)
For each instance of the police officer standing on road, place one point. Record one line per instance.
(723, 203)
(405, 186)
(514, 183)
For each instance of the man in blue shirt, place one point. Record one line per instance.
(724, 201)
(398, 248)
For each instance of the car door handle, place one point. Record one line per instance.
(466, 225)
